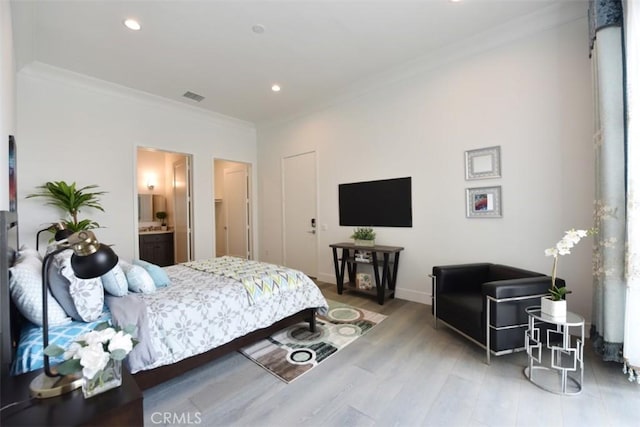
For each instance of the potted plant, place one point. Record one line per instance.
(71, 200)
(364, 236)
(162, 216)
(555, 305)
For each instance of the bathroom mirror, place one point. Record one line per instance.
(145, 207)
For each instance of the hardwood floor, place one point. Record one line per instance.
(402, 373)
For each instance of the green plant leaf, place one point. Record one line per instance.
(69, 367)
(53, 350)
(118, 354)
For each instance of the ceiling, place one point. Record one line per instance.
(315, 50)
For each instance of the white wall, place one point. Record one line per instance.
(7, 98)
(531, 96)
(76, 128)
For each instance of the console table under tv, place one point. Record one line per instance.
(383, 259)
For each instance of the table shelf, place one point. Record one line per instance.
(384, 260)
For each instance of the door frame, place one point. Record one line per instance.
(136, 149)
(251, 200)
(282, 205)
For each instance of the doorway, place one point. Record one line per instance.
(164, 177)
(232, 194)
(299, 195)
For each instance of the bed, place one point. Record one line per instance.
(210, 308)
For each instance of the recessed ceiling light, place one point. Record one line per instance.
(275, 88)
(258, 28)
(132, 24)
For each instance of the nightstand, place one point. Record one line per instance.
(121, 406)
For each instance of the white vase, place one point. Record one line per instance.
(557, 309)
(110, 377)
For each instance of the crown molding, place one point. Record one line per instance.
(63, 76)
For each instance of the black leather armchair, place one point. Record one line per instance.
(486, 302)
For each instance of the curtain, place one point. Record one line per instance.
(608, 313)
(631, 352)
(615, 58)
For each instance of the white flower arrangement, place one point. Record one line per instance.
(563, 247)
(91, 352)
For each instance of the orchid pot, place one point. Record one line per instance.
(553, 308)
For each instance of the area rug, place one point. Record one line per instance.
(294, 351)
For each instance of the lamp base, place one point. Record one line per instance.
(44, 386)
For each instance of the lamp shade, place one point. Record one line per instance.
(94, 265)
(62, 232)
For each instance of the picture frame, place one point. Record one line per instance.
(484, 202)
(482, 163)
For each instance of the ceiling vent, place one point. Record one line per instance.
(193, 96)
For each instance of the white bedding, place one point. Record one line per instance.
(200, 311)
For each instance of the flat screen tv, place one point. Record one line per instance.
(382, 203)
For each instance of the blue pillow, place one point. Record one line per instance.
(138, 280)
(157, 273)
(115, 282)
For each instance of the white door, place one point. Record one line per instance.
(182, 210)
(299, 206)
(236, 201)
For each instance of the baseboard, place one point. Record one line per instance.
(415, 296)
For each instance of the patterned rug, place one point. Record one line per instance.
(294, 351)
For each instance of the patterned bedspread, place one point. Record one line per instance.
(260, 279)
(200, 311)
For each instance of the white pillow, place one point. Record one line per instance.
(87, 294)
(26, 291)
(115, 282)
(27, 252)
(137, 278)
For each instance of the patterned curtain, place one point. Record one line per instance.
(632, 313)
(608, 314)
(616, 72)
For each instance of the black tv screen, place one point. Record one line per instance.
(382, 203)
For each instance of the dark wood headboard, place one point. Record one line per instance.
(9, 244)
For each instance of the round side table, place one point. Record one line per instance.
(563, 372)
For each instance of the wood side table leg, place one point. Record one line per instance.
(376, 274)
(339, 269)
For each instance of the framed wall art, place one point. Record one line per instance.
(484, 202)
(482, 163)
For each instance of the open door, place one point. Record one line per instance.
(182, 209)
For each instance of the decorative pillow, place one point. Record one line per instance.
(137, 278)
(115, 282)
(28, 253)
(159, 276)
(87, 294)
(25, 285)
(59, 286)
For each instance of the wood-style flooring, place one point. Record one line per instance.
(402, 373)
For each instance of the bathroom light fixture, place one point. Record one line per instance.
(150, 185)
(275, 88)
(132, 24)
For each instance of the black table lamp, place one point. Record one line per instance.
(61, 232)
(90, 259)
